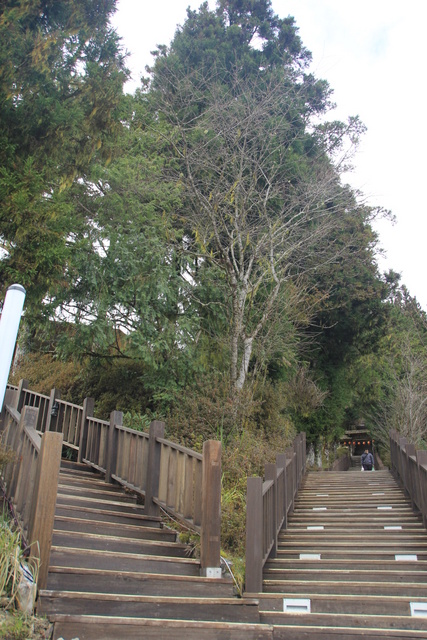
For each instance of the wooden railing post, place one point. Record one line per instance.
(52, 418)
(409, 479)
(271, 474)
(116, 417)
(422, 462)
(304, 451)
(28, 418)
(281, 462)
(19, 398)
(157, 430)
(254, 537)
(88, 409)
(401, 462)
(210, 538)
(44, 501)
(291, 487)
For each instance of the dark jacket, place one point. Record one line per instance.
(367, 461)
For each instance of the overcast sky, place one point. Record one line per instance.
(372, 53)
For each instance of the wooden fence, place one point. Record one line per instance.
(268, 504)
(31, 479)
(184, 483)
(409, 467)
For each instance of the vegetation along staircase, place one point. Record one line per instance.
(352, 562)
(117, 573)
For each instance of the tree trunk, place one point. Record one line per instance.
(244, 365)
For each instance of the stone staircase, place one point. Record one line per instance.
(352, 563)
(116, 573)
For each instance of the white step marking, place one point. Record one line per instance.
(393, 528)
(385, 508)
(296, 605)
(319, 508)
(316, 528)
(309, 556)
(380, 493)
(419, 609)
(406, 558)
(322, 495)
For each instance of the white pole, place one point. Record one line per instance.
(9, 325)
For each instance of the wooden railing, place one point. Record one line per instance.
(268, 504)
(409, 467)
(186, 484)
(30, 481)
(54, 414)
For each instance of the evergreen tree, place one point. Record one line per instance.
(61, 78)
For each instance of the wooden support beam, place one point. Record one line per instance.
(210, 538)
(281, 463)
(116, 417)
(254, 536)
(19, 398)
(53, 418)
(44, 501)
(157, 430)
(88, 409)
(271, 474)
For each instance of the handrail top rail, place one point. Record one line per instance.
(180, 448)
(105, 423)
(266, 486)
(69, 404)
(33, 437)
(121, 427)
(35, 393)
(13, 412)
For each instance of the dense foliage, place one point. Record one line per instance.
(61, 78)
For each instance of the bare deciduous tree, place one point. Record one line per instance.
(262, 197)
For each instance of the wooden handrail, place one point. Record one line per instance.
(31, 480)
(409, 467)
(184, 483)
(268, 504)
